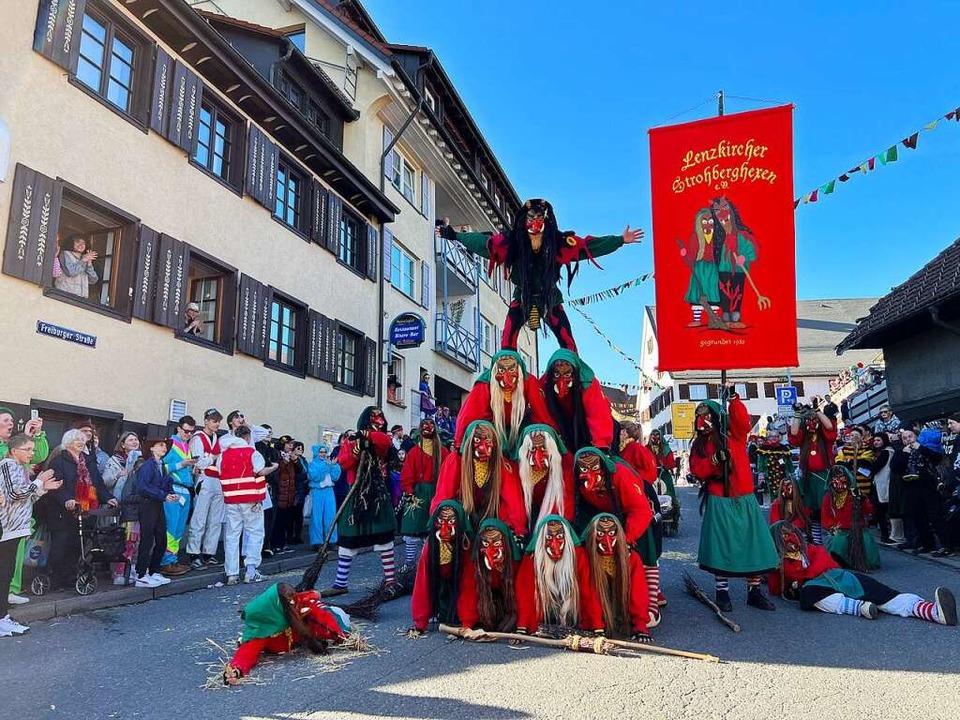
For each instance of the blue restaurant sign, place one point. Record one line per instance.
(67, 334)
(408, 330)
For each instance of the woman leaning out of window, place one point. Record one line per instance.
(76, 268)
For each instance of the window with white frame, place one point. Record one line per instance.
(404, 176)
(741, 389)
(403, 266)
(698, 392)
(488, 336)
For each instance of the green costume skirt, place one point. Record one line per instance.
(705, 281)
(813, 486)
(416, 513)
(646, 546)
(667, 477)
(734, 538)
(367, 520)
(839, 547)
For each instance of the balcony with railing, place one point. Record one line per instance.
(456, 342)
(460, 269)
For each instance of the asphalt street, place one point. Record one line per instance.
(160, 660)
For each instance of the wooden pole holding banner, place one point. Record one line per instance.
(723, 373)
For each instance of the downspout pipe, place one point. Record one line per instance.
(381, 285)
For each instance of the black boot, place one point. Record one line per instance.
(723, 601)
(756, 598)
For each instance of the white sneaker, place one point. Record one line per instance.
(160, 579)
(15, 599)
(5, 630)
(253, 577)
(133, 578)
(147, 581)
(13, 626)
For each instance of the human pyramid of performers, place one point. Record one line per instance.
(546, 514)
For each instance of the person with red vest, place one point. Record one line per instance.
(207, 520)
(244, 490)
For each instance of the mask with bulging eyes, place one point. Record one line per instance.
(538, 456)
(562, 378)
(506, 373)
(493, 549)
(606, 536)
(590, 473)
(445, 525)
(377, 421)
(704, 421)
(482, 444)
(556, 540)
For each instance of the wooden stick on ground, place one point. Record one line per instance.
(577, 643)
(697, 592)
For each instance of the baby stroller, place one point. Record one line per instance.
(669, 502)
(101, 541)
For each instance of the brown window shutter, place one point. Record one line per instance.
(318, 214)
(160, 94)
(334, 214)
(253, 317)
(370, 367)
(314, 333)
(684, 391)
(260, 181)
(713, 391)
(752, 391)
(145, 277)
(769, 390)
(228, 311)
(371, 258)
(184, 107)
(173, 262)
(328, 370)
(798, 384)
(57, 34)
(32, 230)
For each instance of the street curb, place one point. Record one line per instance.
(38, 609)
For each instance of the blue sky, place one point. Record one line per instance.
(565, 91)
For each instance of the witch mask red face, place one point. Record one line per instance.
(838, 483)
(590, 473)
(786, 490)
(482, 445)
(538, 456)
(606, 536)
(378, 421)
(445, 525)
(703, 422)
(507, 373)
(562, 378)
(428, 429)
(556, 540)
(492, 549)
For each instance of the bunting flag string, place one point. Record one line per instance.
(627, 388)
(890, 155)
(610, 292)
(616, 348)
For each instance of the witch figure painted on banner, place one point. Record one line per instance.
(534, 251)
(718, 253)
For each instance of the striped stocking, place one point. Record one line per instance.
(723, 584)
(344, 561)
(816, 530)
(411, 550)
(925, 610)
(653, 584)
(387, 561)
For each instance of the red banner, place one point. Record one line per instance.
(723, 242)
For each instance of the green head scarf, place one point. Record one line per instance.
(463, 520)
(586, 372)
(487, 374)
(571, 534)
(473, 426)
(546, 429)
(497, 524)
(605, 459)
(264, 615)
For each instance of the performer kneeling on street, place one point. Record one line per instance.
(553, 587)
(418, 481)
(618, 583)
(445, 558)
(278, 620)
(842, 515)
(809, 574)
(734, 539)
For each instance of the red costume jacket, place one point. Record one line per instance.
(349, 460)
(596, 408)
(819, 561)
(592, 611)
(418, 468)
(477, 406)
(706, 469)
(420, 605)
(641, 460)
(528, 609)
(842, 518)
(512, 509)
(666, 460)
(569, 494)
(631, 498)
(819, 457)
(467, 601)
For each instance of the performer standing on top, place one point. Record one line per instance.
(577, 405)
(734, 539)
(418, 481)
(814, 433)
(507, 396)
(534, 251)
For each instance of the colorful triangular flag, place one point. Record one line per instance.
(911, 142)
(844, 177)
(872, 163)
(796, 203)
(888, 156)
(828, 188)
(864, 168)
(813, 195)
(953, 115)
(931, 126)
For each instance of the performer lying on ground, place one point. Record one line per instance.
(807, 573)
(534, 251)
(445, 558)
(617, 579)
(278, 620)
